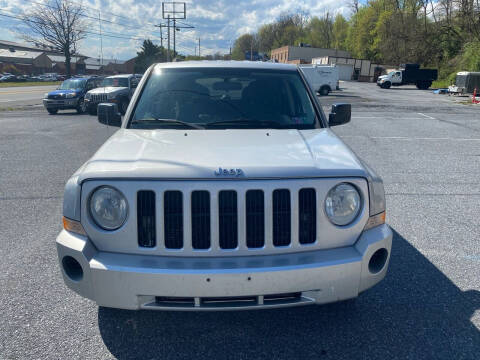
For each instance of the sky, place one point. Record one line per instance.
(125, 23)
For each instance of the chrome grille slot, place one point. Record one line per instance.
(201, 219)
(255, 218)
(227, 219)
(281, 217)
(173, 219)
(98, 98)
(307, 216)
(146, 228)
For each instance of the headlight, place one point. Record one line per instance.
(111, 96)
(88, 95)
(342, 204)
(108, 208)
(45, 95)
(71, 95)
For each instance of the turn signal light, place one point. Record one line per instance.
(375, 220)
(73, 226)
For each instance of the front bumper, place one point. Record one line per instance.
(173, 283)
(61, 104)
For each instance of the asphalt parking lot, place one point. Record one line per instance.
(23, 97)
(427, 149)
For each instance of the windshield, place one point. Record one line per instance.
(391, 73)
(223, 98)
(72, 84)
(115, 82)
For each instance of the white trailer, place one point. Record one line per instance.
(321, 78)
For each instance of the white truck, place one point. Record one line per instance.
(408, 74)
(321, 78)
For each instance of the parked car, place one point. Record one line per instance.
(322, 78)
(224, 188)
(116, 89)
(70, 94)
(8, 78)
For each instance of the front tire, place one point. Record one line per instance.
(123, 106)
(82, 106)
(387, 85)
(324, 90)
(52, 111)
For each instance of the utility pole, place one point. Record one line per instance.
(174, 31)
(172, 10)
(101, 40)
(199, 47)
(168, 27)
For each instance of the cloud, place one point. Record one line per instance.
(217, 23)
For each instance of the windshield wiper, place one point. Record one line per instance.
(167, 121)
(247, 122)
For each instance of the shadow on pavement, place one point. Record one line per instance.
(416, 313)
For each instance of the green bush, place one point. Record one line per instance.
(445, 82)
(471, 56)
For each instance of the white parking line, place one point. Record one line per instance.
(386, 117)
(428, 117)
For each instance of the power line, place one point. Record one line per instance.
(85, 31)
(91, 17)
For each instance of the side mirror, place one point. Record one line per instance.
(340, 114)
(108, 114)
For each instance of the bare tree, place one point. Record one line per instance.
(57, 24)
(354, 6)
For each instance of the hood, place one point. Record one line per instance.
(198, 154)
(108, 89)
(382, 77)
(63, 92)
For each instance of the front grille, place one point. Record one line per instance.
(173, 219)
(55, 96)
(147, 236)
(98, 98)
(201, 219)
(255, 218)
(227, 219)
(307, 216)
(281, 217)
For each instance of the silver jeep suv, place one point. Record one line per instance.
(224, 188)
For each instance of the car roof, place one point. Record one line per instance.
(228, 64)
(120, 76)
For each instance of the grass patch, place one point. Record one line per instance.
(29, 83)
(441, 84)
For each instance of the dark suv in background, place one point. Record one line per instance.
(71, 94)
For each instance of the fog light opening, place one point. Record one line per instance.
(378, 260)
(72, 268)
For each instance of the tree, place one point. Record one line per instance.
(340, 32)
(149, 54)
(58, 24)
(320, 31)
(244, 44)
